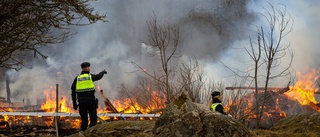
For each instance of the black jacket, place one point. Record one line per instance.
(219, 107)
(89, 95)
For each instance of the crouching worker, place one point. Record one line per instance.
(215, 102)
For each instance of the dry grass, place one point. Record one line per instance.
(269, 133)
(120, 128)
(306, 125)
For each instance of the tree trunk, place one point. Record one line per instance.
(8, 89)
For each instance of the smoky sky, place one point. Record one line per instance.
(210, 30)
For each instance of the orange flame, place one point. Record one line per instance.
(132, 105)
(127, 105)
(50, 106)
(304, 88)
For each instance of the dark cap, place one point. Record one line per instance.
(85, 64)
(215, 93)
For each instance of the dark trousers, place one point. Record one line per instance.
(84, 110)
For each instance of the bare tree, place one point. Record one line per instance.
(272, 51)
(164, 39)
(29, 25)
(237, 102)
(267, 53)
(191, 79)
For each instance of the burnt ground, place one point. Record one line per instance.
(34, 131)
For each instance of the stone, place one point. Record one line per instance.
(186, 118)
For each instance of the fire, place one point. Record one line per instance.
(50, 103)
(3, 119)
(279, 102)
(303, 91)
(150, 104)
(63, 105)
(50, 106)
(126, 105)
(131, 105)
(304, 88)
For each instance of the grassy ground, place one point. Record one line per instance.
(298, 126)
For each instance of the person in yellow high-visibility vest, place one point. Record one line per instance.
(83, 91)
(215, 102)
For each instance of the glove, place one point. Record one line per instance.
(75, 106)
(104, 71)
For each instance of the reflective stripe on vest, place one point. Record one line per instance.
(84, 83)
(214, 105)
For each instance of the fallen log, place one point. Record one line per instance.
(278, 89)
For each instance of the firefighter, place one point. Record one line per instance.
(83, 90)
(215, 102)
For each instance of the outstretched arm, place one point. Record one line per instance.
(96, 77)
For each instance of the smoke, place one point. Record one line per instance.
(304, 37)
(211, 30)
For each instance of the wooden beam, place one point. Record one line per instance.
(109, 105)
(253, 88)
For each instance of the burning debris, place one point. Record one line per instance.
(21, 115)
(278, 105)
(17, 115)
(3, 122)
(109, 106)
(278, 102)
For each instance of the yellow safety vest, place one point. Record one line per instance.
(214, 105)
(84, 83)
